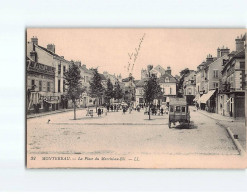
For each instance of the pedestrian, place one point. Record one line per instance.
(99, 112)
(130, 110)
(161, 111)
(124, 110)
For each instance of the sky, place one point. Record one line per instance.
(110, 49)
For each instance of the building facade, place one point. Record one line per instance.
(48, 57)
(232, 87)
(189, 87)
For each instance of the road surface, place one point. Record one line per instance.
(119, 134)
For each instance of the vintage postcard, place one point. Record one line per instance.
(135, 98)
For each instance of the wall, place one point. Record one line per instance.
(38, 78)
(216, 65)
(167, 87)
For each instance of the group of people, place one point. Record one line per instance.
(113, 108)
(154, 109)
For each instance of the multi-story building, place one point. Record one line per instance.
(48, 57)
(232, 89)
(189, 87)
(156, 71)
(40, 86)
(168, 86)
(212, 79)
(129, 89)
(86, 77)
(139, 91)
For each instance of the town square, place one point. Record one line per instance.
(135, 107)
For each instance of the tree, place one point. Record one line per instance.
(74, 88)
(109, 94)
(96, 87)
(183, 73)
(152, 90)
(118, 93)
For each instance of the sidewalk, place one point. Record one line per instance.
(236, 126)
(48, 113)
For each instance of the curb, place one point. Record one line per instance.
(235, 141)
(212, 117)
(48, 113)
(107, 124)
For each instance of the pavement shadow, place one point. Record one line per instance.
(185, 126)
(88, 118)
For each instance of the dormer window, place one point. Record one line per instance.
(167, 79)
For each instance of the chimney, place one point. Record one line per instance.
(168, 70)
(209, 58)
(34, 40)
(224, 51)
(218, 52)
(239, 43)
(149, 68)
(51, 47)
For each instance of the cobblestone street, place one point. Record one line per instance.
(126, 134)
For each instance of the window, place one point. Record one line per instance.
(242, 65)
(167, 80)
(177, 108)
(189, 91)
(58, 86)
(40, 85)
(171, 108)
(63, 85)
(33, 84)
(64, 69)
(48, 86)
(59, 68)
(216, 73)
(216, 85)
(183, 109)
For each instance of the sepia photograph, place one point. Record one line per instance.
(135, 98)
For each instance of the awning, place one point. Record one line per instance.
(205, 97)
(196, 98)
